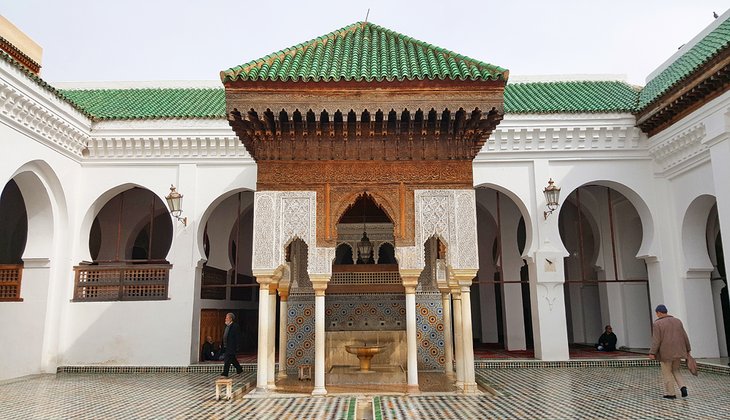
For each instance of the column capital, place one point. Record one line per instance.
(272, 287)
(263, 277)
(284, 293)
(410, 276)
(319, 283)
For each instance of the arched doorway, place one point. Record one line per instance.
(227, 283)
(502, 291)
(13, 237)
(606, 284)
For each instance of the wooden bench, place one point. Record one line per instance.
(305, 372)
(219, 383)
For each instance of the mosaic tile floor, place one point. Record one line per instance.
(546, 393)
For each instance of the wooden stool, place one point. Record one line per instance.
(305, 372)
(219, 383)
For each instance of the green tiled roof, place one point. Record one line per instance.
(702, 52)
(569, 97)
(40, 82)
(364, 52)
(128, 104)
(519, 98)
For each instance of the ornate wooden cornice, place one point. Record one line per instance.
(708, 82)
(409, 120)
(19, 56)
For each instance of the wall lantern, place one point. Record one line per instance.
(174, 202)
(552, 195)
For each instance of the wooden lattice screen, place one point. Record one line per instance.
(122, 282)
(10, 276)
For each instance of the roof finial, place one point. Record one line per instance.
(366, 15)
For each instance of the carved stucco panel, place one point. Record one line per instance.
(451, 215)
(409, 257)
(467, 255)
(280, 217)
(264, 222)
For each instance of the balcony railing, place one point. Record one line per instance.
(10, 276)
(121, 282)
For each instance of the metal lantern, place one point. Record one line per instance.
(552, 196)
(364, 250)
(174, 202)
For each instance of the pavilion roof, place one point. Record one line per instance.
(686, 64)
(367, 52)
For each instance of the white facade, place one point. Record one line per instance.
(671, 196)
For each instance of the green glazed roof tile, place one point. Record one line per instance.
(364, 52)
(127, 104)
(519, 98)
(570, 97)
(702, 52)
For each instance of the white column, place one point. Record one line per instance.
(319, 303)
(448, 337)
(549, 323)
(411, 338)
(319, 283)
(470, 385)
(717, 286)
(283, 313)
(514, 319)
(458, 338)
(263, 333)
(271, 342)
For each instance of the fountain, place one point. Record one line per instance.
(365, 353)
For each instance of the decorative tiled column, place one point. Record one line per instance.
(464, 279)
(283, 310)
(448, 336)
(410, 281)
(263, 280)
(319, 283)
(271, 340)
(458, 337)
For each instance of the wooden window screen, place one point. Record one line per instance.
(121, 282)
(10, 276)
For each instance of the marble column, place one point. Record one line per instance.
(271, 341)
(283, 312)
(464, 279)
(410, 281)
(448, 337)
(319, 284)
(263, 333)
(458, 337)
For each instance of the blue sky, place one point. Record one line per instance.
(193, 40)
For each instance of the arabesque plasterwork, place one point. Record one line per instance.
(279, 218)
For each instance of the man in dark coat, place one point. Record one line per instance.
(230, 343)
(607, 340)
(669, 343)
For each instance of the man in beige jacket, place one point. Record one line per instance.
(669, 343)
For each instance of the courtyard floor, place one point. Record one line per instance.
(514, 393)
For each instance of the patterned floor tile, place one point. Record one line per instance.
(565, 393)
(518, 393)
(153, 396)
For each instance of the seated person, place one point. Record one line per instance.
(607, 341)
(210, 350)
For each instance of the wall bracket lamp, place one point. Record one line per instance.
(174, 202)
(552, 196)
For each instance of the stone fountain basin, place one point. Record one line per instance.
(364, 350)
